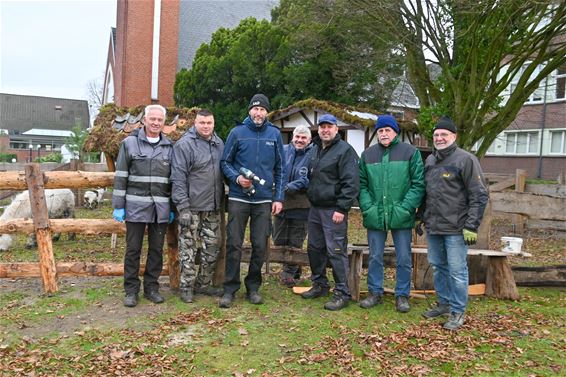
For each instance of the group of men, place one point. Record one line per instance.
(305, 187)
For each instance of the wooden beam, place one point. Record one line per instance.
(81, 226)
(14, 180)
(173, 255)
(534, 206)
(32, 270)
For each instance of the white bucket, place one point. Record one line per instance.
(511, 245)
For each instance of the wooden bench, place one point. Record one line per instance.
(499, 279)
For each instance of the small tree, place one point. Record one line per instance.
(75, 142)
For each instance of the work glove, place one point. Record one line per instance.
(185, 216)
(119, 214)
(419, 228)
(171, 216)
(470, 238)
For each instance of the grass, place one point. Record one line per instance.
(85, 330)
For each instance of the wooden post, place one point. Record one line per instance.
(484, 229)
(218, 278)
(173, 255)
(355, 273)
(38, 205)
(520, 183)
(499, 279)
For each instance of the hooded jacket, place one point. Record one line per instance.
(334, 178)
(141, 181)
(259, 149)
(391, 185)
(456, 193)
(195, 172)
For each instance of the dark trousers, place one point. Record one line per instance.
(289, 232)
(328, 242)
(260, 225)
(154, 262)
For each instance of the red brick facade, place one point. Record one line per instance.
(134, 41)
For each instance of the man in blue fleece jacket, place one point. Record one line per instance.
(255, 145)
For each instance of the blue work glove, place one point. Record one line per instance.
(119, 214)
(171, 217)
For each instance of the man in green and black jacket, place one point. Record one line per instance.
(391, 189)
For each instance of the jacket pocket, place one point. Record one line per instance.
(401, 218)
(373, 218)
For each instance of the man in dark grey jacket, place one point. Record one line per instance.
(141, 198)
(198, 192)
(456, 197)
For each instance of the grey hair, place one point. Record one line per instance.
(148, 108)
(303, 130)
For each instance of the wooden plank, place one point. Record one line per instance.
(548, 190)
(544, 276)
(32, 270)
(38, 205)
(14, 180)
(355, 273)
(502, 185)
(532, 205)
(81, 226)
(520, 182)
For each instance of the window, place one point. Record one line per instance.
(538, 94)
(558, 142)
(560, 92)
(521, 142)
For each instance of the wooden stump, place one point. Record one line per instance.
(499, 281)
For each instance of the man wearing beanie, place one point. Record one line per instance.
(254, 145)
(391, 190)
(456, 197)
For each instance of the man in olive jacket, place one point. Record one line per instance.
(391, 189)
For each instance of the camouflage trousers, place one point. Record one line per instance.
(202, 237)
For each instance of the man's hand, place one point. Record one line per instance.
(119, 214)
(337, 217)
(470, 238)
(242, 181)
(171, 216)
(276, 207)
(185, 217)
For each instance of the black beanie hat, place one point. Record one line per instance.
(445, 123)
(259, 100)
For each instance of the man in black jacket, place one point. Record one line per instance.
(333, 188)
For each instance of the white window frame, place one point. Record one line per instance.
(562, 142)
(515, 135)
(538, 95)
(557, 78)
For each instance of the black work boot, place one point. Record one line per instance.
(209, 290)
(402, 304)
(316, 290)
(371, 301)
(337, 302)
(131, 300)
(226, 300)
(437, 311)
(186, 296)
(255, 298)
(154, 297)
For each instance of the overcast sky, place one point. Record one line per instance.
(53, 48)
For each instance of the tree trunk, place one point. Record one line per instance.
(81, 226)
(499, 281)
(58, 179)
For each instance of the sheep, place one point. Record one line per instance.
(60, 205)
(93, 198)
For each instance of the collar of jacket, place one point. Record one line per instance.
(441, 154)
(248, 122)
(193, 134)
(317, 141)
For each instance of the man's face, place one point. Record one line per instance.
(204, 126)
(442, 139)
(258, 115)
(300, 141)
(154, 122)
(327, 132)
(386, 135)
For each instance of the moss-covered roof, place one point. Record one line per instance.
(103, 137)
(341, 111)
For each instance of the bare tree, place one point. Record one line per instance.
(95, 95)
(479, 49)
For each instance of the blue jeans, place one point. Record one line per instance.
(402, 240)
(447, 255)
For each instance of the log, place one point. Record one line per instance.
(531, 205)
(173, 255)
(499, 280)
(81, 226)
(32, 270)
(544, 276)
(356, 259)
(59, 179)
(38, 205)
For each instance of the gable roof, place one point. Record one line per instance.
(22, 113)
(353, 115)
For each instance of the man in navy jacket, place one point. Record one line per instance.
(255, 145)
